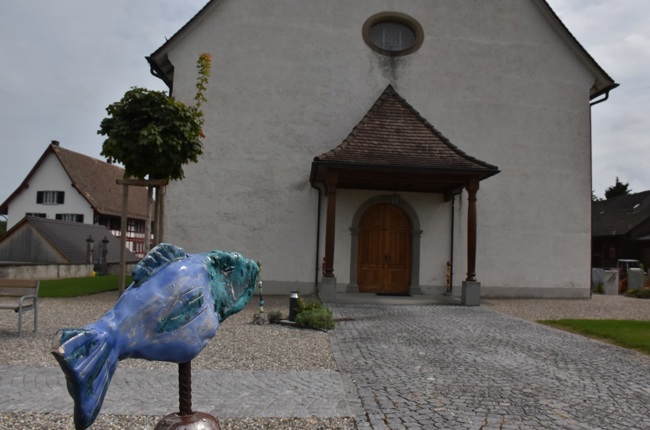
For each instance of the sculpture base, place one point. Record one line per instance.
(196, 421)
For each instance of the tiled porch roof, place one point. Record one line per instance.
(394, 148)
(394, 134)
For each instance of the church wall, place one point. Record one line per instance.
(292, 78)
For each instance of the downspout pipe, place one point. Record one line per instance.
(606, 92)
(157, 72)
(600, 100)
(451, 246)
(318, 211)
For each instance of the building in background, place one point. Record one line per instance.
(621, 230)
(47, 248)
(69, 186)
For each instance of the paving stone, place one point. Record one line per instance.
(458, 368)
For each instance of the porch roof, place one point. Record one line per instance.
(394, 148)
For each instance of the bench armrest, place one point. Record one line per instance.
(30, 296)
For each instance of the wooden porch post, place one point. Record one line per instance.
(330, 192)
(125, 211)
(160, 220)
(472, 188)
(123, 223)
(147, 225)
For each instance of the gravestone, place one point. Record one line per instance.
(611, 282)
(635, 278)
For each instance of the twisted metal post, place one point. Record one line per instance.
(185, 388)
(185, 419)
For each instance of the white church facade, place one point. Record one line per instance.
(392, 147)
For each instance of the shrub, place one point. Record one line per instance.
(275, 317)
(304, 305)
(317, 318)
(643, 293)
(312, 314)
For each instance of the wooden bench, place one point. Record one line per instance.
(24, 297)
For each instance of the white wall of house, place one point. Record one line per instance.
(44, 271)
(49, 177)
(292, 78)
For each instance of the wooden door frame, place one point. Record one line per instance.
(416, 233)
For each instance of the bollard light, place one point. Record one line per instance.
(293, 305)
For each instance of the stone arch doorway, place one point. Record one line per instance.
(385, 255)
(384, 251)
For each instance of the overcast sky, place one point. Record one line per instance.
(63, 62)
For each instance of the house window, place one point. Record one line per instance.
(392, 33)
(138, 247)
(50, 197)
(135, 225)
(110, 222)
(70, 217)
(36, 214)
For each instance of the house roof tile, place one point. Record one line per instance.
(95, 180)
(619, 216)
(394, 134)
(69, 238)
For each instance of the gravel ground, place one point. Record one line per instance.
(598, 307)
(238, 345)
(241, 345)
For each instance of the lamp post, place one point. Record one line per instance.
(293, 305)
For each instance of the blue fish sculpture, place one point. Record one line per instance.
(169, 312)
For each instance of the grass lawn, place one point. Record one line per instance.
(626, 333)
(74, 287)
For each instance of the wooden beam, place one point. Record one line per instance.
(142, 182)
(160, 218)
(125, 211)
(147, 225)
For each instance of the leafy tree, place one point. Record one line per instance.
(153, 134)
(617, 190)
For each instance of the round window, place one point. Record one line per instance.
(393, 34)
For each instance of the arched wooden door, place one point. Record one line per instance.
(384, 260)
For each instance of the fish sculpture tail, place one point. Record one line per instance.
(88, 361)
